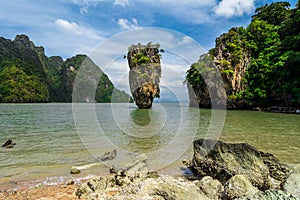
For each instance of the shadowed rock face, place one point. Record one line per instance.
(223, 161)
(145, 73)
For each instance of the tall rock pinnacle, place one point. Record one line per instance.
(145, 73)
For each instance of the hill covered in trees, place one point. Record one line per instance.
(28, 75)
(259, 64)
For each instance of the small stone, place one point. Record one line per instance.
(109, 155)
(70, 182)
(186, 162)
(113, 170)
(152, 175)
(75, 171)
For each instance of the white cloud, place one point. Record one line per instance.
(70, 38)
(125, 24)
(84, 9)
(122, 3)
(186, 40)
(77, 30)
(230, 8)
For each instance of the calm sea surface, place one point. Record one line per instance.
(53, 138)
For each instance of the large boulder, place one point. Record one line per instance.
(224, 160)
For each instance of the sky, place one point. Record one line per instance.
(98, 27)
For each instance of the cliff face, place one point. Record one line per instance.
(231, 62)
(145, 73)
(232, 58)
(259, 64)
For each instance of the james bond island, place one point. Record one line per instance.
(145, 73)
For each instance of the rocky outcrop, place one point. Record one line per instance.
(135, 181)
(223, 161)
(231, 56)
(145, 73)
(232, 171)
(161, 188)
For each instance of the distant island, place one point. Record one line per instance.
(27, 75)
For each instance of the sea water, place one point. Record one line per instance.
(53, 138)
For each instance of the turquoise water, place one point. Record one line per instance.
(51, 138)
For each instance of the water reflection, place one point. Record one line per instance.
(144, 130)
(141, 117)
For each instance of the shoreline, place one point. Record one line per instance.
(73, 188)
(64, 187)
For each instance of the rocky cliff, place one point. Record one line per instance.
(145, 73)
(259, 64)
(231, 57)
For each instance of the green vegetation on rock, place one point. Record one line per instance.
(28, 75)
(145, 73)
(259, 64)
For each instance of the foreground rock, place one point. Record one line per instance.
(135, 181)
(222, 161)
(224, 171)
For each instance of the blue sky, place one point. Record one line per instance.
(69, 27)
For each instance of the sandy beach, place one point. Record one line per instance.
(42, 192)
